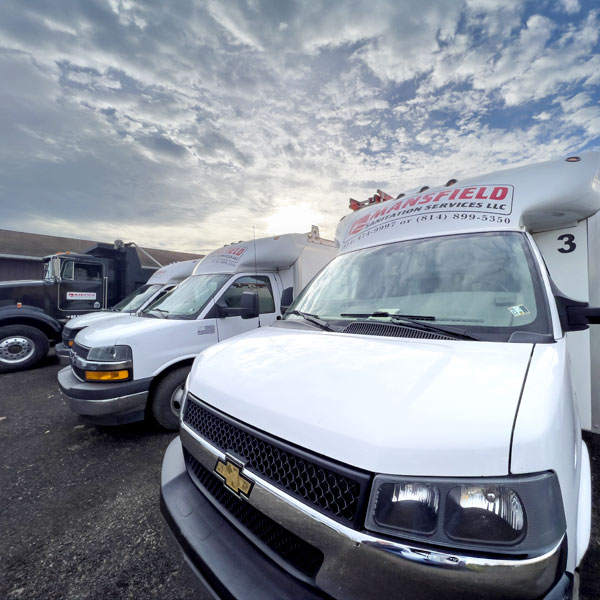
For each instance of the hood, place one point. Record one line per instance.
(411, 407)
(129, 330)
(94, 318)
(30, 293)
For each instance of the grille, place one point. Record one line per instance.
(293, 550)
(80, 350)
(389, 330)
(332, 489)
(79, 373)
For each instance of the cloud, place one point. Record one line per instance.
(186, 125)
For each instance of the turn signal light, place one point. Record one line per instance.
(70, 342)
(106, 375)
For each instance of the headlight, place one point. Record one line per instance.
(110, 353)
(508, 514)
(480, 513)
(408, 507)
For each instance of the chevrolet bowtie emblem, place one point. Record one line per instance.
(229, 471)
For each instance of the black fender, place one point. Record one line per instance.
(33, 316)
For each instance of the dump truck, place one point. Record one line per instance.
(33, 313)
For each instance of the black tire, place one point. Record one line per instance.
(21, 347)
(167, 397)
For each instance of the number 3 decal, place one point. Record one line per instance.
(569, 241)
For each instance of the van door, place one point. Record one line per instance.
(261, 284)
(82, 286)
(565, 252)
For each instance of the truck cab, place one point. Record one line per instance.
(160, 283)
(412, 426)
(32, 313)
(126, 369)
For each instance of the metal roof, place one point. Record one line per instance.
(32, 246)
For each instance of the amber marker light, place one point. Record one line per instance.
(70, 342)
(107, 375)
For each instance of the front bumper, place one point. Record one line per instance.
(105, 403)
(356, 564)
(63, 353)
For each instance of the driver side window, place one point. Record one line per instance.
(76, 271)
(261, 284)
(67, 272)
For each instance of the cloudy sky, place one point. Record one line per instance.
(184, 124)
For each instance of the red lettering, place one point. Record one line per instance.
(426, 198)
(454, 194)
(499, 193)
(467, 194)
(238, 251)
(481, 194)
(379, 213)
(411, 201)
(360, 224)
(440, 195)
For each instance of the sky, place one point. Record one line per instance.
(188, 124)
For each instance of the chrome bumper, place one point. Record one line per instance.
(104, 403)
(108, 406)
(357, 564)
(63, 353)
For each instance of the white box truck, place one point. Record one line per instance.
(412, 427)
(160, 283)
(128, 368)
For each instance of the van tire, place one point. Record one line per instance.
(167, 398)
(21, 347)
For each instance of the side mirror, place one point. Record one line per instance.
(575, 315)
(249, 307)
(287, 297)
(580, 317)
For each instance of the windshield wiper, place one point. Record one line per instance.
(161, 311)
(414, 321)
(314, 319)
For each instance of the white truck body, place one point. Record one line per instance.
(160, 283)
(160, 339)
(425, 413)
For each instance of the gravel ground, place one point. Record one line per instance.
(79, 505)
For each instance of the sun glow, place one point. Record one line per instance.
(292, 219)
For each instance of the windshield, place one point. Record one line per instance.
(188, 298)
(478, 283)
(137, 298)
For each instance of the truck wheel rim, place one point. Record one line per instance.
(177, 400)
(16, 349)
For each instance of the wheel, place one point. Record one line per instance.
(168, 397)
(21, 347)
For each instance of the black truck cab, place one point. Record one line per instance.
(32, 313)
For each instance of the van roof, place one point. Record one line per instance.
(266, 254)
(536, 197)
(174, 273)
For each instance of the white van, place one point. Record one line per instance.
(123, 369)
(412, 427)
(163, 280)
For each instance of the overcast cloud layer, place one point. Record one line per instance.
(184, 124)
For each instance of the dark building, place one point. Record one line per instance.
(21, 253)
